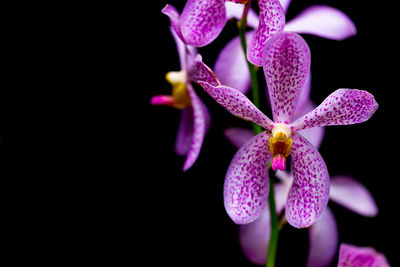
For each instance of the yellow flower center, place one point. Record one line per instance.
(280, 145)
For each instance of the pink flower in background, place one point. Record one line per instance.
(353, 256)
(195, 118)
(286, 63)
(323, 234)
(319, 20)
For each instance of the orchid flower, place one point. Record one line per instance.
(319, 20)
(344, 190)
(195, 118)
(353, 256)
(286, 64)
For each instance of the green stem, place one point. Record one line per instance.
(242, 23)
(273, 242)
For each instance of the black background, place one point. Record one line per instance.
(88, 170)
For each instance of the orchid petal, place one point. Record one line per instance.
(186, 53)
(201, 72)
(254, 238)
(238, 104)
(286, 63)
(246, 182)
(202, 20)
(185, 132)
(200, 127)
(238, 136)
(323, 240)
(352, 256)
(309, 193)
(351, 194)
(342, 107)
(281, 194)
(234, 10)
(231, 66)
(272, 20)
(323, 21)
(304, 98)
(314, 135)
(285, 4)
(174, 17)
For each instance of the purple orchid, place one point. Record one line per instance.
(344, 190)
(195, 118)
(286, 64)
(319, 20)
(353, 256)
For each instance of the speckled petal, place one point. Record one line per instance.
(272, 20)
(323, 21)
(174, 17)
(238, 136)
(231, 66)
(246, 182)
(353, 256)
(202, 20)
(309, 193)
(201, 72)
(342, 107)
(236, 11)
(286, 63)
(351, 194)
(254, 238)
(323, 240)
(285, 4)
(238, 104)
(200, 127)
(185, 132)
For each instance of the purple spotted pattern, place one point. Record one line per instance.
(201, 72)
(246, 182)
(342, 107)
(309, 193)
(201, 120)
(353, 256)
(201, 21)
(271, 21)
(237, 103)
(286, 64)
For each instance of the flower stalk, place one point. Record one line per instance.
(273, 242)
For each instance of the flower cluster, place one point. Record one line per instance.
(293, 134)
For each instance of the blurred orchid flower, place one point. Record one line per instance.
(286, 64)
(320, 20)
(323, 234)
(195, 117)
